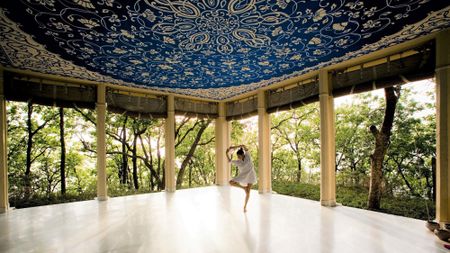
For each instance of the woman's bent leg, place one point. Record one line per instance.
(236, 184)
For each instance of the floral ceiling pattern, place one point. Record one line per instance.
(207, 48)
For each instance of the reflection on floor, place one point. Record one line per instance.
(209, 219)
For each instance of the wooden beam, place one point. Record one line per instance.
(374, 56)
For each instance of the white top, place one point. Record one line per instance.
(247, 174)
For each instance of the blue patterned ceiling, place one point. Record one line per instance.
(206, 48)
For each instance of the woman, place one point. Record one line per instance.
(247, 175)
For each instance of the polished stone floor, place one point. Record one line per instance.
(209, 219)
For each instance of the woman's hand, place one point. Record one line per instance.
(228, 153)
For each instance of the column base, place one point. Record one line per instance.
(265, 191)
(443, 223)
(4, 209)
(170, 190)
(223, 183)
(102, 198)
(328, 203)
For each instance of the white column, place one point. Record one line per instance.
(327, 142)
(230, 129)
(264, 146)
(443, 126)
(170, 145)
(4, 202)
(102, 192)
(222, 142)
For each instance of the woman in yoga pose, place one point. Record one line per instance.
(247, 175)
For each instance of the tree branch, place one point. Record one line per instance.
(206, 142)
(186, 133)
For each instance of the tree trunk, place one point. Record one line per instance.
(29, 159)
(152, 174)
(134, 161)
(382, 139)
(160, 168)
(137, 132)
(400, 170)
(63, 151)
(148, 161)
(354, 176)
(299, 168)
(190, 176)
(29, 148)
(123, 173)
(189, 155)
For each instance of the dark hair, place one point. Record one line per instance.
(240, 151)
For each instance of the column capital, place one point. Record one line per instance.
(170, 103)
(443, 68)
(442, 51)
(101, 93)
(325, 86)
(262, 103)
(221, 109)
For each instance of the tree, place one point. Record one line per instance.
(412, 148)
(32, 130)
(181, 134)
(139, 128)
(353, 141)
(299, 131)
(382, 139)
(155, 178)
(123, 169)
(63, 151)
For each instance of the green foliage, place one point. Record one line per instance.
(199, 168)
(407, 167)
(295, 143)
(133, 145)
(354, 143)
(413, 207)
(357, 197)
(54, 198)
(307, 191)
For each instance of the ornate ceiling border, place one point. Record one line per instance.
(19, 50)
